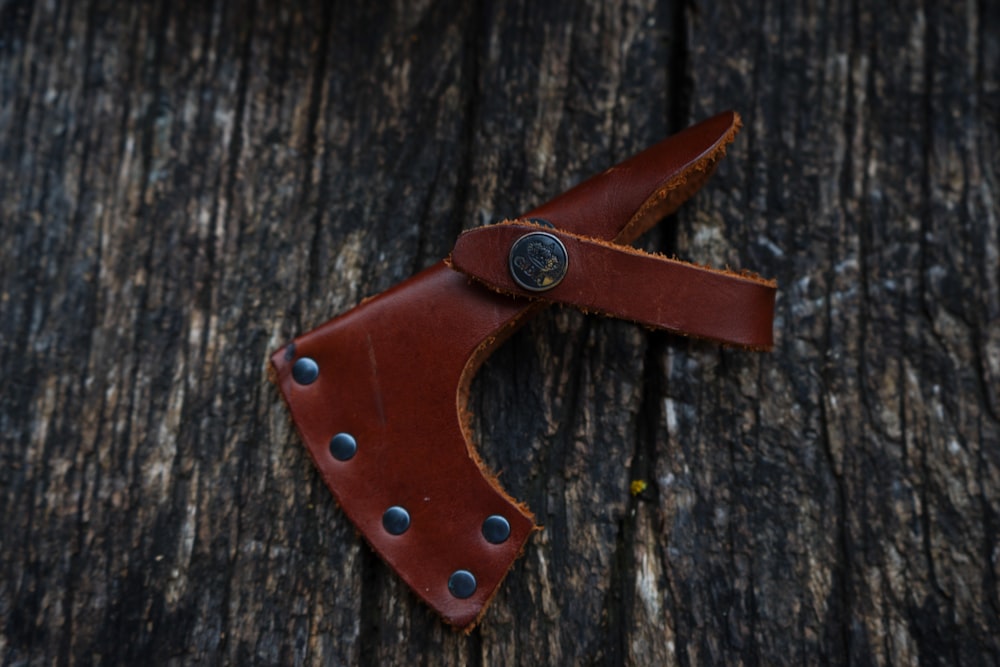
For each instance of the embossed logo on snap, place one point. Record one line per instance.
(538, 261)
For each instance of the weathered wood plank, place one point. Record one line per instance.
(860, 513)
(185, 186)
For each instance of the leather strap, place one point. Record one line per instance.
(379, 393)
(623, 282)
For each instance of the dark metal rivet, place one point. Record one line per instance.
(396, 520)
(462, 584)
(538, 261)
(496, 529)
(305, 371)
(343, 446)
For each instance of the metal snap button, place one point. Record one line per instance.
(538, 261)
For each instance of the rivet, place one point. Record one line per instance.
(305, 371)
(496, 529)
(538, 261)
(462, 584)
(396, 520)
(343, 446)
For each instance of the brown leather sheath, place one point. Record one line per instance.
(379, 393)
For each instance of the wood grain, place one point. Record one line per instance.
(185, 186)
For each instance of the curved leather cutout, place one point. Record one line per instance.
(395, 371)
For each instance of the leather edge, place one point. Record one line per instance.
(472, 366)
(676, 190)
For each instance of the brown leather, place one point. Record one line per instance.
(621, 281)
(394, 372)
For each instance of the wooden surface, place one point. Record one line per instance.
(185, 186)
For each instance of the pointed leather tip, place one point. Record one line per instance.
(624, 201)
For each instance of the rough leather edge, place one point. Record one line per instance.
(675, 191)
(472, 366)
(743, 274)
